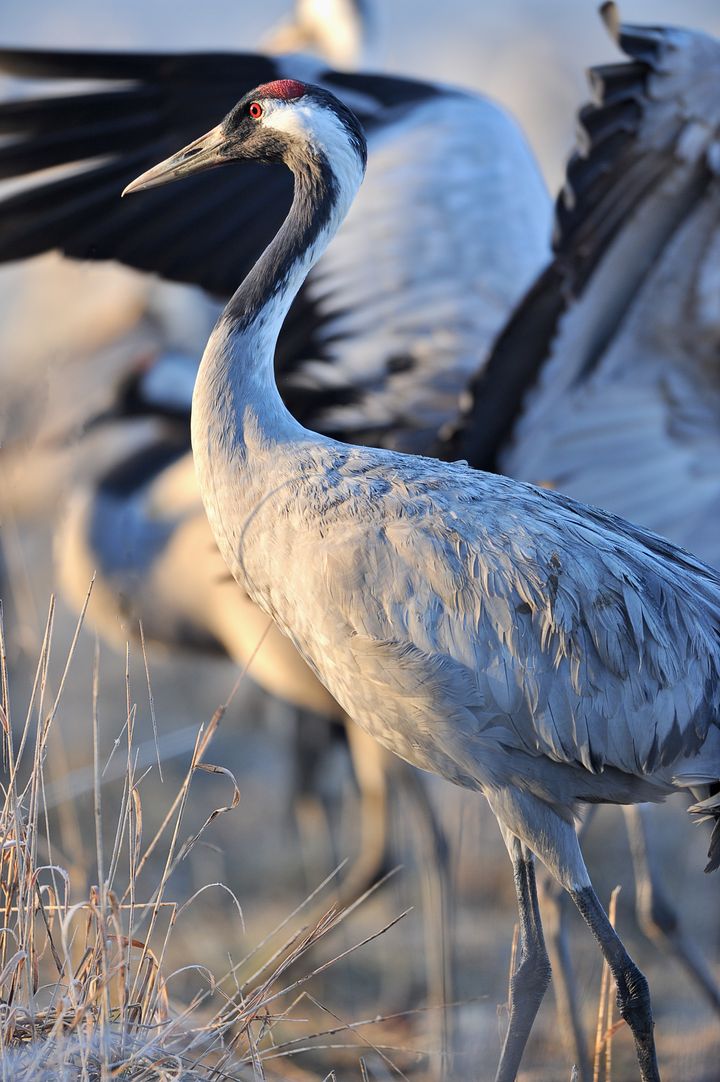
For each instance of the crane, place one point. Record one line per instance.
(619, 128)
(353, 360)
(517, 643)
(630, 124)
(605, 384)
(337, 30)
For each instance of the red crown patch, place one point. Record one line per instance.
(287, 89)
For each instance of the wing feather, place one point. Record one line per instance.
(452, 223)
(562, 631)
(412, 301)
(591, 385)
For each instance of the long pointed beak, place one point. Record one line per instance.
(204, 153)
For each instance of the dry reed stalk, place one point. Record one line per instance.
(606, 1029)
(504, 1008)
(84, 981)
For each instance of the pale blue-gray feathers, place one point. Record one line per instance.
(497, 634)
(468, 614)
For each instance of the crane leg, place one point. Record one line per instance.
(564, 985)
(312, 738)
(555, 841)
(532, 976)
(656, 914)
(633, 994)
(374, 766)
(433, 853)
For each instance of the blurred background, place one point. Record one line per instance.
(530, 57)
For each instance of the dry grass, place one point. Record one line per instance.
(606, 1028)
(85, 986)
(113, 980)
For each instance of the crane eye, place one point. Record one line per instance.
(255, 110)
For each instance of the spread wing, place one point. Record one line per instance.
(606, 381)
(451, 225)
(132, 110)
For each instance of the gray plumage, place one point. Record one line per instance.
(580, 641)
(483, 629)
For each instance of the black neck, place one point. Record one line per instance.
(311, 214)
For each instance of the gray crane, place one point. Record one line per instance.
(602, 384)
(505, 637)
(626, 160)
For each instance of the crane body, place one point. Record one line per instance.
(604, 383)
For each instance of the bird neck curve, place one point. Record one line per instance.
(237, 412)
(322, 197)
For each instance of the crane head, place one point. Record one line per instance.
(297, 124)
(339, 31)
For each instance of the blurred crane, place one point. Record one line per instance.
(503, 636)
(337, 30)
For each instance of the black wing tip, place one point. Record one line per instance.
(496, 392)
(133, 64)
(608, 131)
(50, 62)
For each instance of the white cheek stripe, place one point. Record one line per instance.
(307, 121)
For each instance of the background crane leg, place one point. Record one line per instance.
(532, 975)
(564, 984)
(556, 901)
(370, 766)
(433, 855)
(374, 767)
(655, 913)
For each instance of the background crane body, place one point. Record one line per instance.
(605, 382)
(145, 545)
(385, 335)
